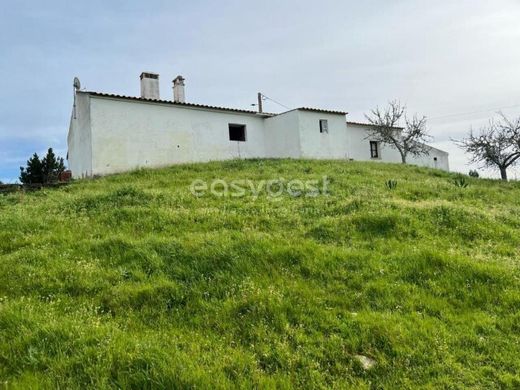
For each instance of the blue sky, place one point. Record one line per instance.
(455, 62)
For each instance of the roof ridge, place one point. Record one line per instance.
(194, 105)
(209, 107)
(322, 110)
(368, 124)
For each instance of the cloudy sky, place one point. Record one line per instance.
(457, 62)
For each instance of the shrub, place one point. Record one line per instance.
(473, 173)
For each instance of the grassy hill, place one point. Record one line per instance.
(131, 281)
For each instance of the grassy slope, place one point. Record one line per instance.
(131, 281)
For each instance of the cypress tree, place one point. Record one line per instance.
(52, 167)
(44, 171)
(33, 172)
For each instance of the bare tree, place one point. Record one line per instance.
(496, 146)
(406, 140)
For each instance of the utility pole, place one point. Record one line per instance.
(260, 108)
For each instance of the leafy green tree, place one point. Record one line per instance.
(44, 171)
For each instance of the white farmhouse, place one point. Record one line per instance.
(112, 133)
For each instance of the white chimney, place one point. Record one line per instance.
(178, 90)
(150, 85)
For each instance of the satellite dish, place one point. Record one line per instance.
(77, 84)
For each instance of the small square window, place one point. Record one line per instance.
(374, 149)
(237, 132)
(324, 126)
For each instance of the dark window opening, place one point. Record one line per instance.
(324, 126)
(435, 159)
(237, 132)
(374, 149)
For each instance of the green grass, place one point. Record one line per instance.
(130, 281)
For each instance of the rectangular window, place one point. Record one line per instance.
(237, 132)
(374, 149)
(324, 126)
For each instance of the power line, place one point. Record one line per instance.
(274, 101)
(472, 112)
(264, 97)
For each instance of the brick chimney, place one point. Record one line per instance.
(178, 90)
(150, 85)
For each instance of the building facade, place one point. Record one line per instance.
(113, 133)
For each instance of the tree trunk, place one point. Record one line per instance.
(503, 173)
(403, 158)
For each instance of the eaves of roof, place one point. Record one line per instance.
(169, 102)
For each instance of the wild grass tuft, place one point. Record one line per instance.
(391, 184)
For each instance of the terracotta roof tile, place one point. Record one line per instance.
(322, 110)
(366, 124)
(194, 105)
(204, 106)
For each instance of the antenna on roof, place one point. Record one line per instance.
(77, 85)
(259, 104)
(262, 97)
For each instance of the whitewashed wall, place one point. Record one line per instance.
(130, 134)
(79, 140)
(359, 149)
(282, 136)
(113, 135)
(331, 145)
(429, 161)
